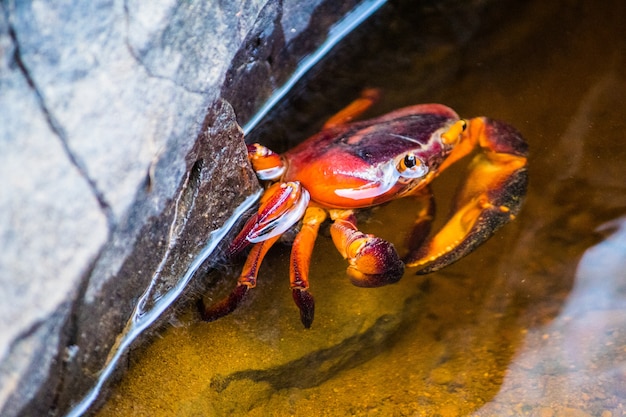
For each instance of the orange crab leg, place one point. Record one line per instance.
(300, 261)
(372, 261)
(489, 197)
(247, 280)
(282, 205)
(353, 110)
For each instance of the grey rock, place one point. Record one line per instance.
(112, 171)
(51, 230)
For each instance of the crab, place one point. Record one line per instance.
(351, 165)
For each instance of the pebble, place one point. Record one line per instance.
(441, 376)
(545, 412)
(572, 412)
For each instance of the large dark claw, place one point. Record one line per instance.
(306, 304)
(223, 307)
(491, 196)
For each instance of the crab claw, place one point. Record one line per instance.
(267, 164)
(283, 204)
(490, 197)
(373, 262)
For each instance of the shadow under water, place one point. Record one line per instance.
(533, 323)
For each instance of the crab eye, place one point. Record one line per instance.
(410, 166)
(410, 161)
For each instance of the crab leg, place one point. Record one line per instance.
(247, 280)
(300, 261)
(423, 222)
(283, 204)
(373, 262)
(489, 197)
(368, 97)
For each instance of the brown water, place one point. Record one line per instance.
(533, 323)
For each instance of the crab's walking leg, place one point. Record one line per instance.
(300, 261)
(373, 262)
(247, 280)
(490, 196)
(368, 97)
(282, 205)
(423, 222)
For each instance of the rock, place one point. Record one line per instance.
(441, 375)
(113, 172)
(572, 412)
(52, 227)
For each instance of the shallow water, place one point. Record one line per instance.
(533, 323)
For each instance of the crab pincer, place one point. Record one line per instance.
(490, 196)
(372, 261)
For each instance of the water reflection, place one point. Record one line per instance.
(578, 361)
(600, 282)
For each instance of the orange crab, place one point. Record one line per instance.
(353, 165)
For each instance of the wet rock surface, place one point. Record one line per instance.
(119, 154)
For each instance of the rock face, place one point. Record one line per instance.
(113, 171)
